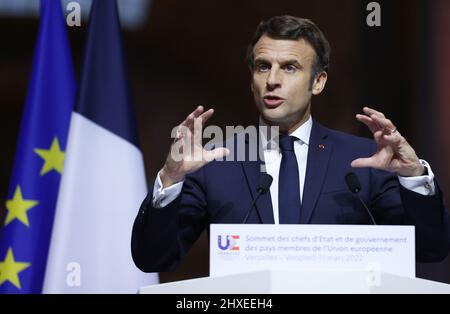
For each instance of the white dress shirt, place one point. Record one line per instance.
(272, 158)
(423, 185)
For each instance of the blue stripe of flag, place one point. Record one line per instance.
(48, 107)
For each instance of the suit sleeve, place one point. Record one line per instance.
(393, 204)
(162, 236)
(431, 219)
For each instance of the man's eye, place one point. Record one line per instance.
(290, 68)
(262, 67)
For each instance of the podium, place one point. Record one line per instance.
(302, 282)
(302, 259)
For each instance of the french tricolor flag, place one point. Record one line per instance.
(103, 181)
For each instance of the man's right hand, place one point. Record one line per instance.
(187, 153)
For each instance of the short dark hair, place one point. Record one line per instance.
(294, 28)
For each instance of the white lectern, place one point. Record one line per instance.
(298, 282)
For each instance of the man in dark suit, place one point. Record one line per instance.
(288, 59)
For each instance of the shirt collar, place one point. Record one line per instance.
(303, 132)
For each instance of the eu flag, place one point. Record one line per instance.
(104, 182)
(33, 190)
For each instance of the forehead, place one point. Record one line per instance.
(282, 49)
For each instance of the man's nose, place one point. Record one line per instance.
(273, 79)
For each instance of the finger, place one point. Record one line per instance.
(372, 112)
(198, 111)
(369, 111)
(364, 163)
(378, 135)
(188, 122)
(368, 121)
(181, 130)
(206, 115)
(191, 121)
(194, 114)
(216, 154)
(198, 125)
(386, 124)
(393, 139)
(197, 130)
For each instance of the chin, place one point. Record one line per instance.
(273, 115)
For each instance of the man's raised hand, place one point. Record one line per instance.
(393, 151)
(187, 153)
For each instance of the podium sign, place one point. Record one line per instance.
(243, 248)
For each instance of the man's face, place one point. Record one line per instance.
(281, 81)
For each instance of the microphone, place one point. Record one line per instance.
(355, 187)
(264, 184)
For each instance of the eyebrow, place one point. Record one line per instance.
(289, 61)
(294, 62)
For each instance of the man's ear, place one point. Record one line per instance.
(251, 86)
(319, 83)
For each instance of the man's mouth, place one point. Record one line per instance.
(273, 101)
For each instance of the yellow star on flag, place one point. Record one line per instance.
(9, 269)
(17, 208)
(53, 157)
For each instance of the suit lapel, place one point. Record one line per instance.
(252, 173)
(319, 152)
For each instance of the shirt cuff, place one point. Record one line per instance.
(423, 185)
(164, 196)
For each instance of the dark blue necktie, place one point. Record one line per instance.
(288, 183)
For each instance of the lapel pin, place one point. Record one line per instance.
(321, 146)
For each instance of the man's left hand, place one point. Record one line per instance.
(393, 153)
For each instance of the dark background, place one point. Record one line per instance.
(193, 52)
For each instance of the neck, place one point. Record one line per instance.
(288, 128)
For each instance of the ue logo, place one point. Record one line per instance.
(230, 243)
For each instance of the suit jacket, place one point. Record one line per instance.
(222, 192)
